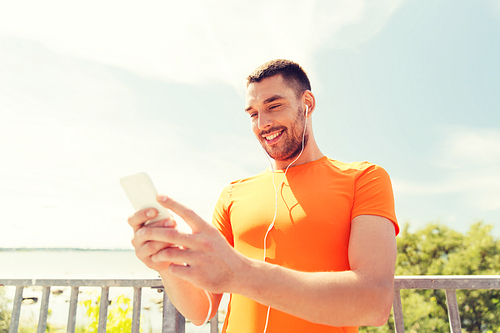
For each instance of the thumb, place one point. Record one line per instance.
(192, 219)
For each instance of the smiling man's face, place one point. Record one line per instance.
(277, 116)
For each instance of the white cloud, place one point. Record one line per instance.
(474, 155)
(467, 146)
(194, 41)
(470, 158)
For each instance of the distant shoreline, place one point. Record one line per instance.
(54, 249)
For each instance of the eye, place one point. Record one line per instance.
(274, 106)
(253, 114)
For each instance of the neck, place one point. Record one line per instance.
(311, 153)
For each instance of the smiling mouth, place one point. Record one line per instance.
(273, 137)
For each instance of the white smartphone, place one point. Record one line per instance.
(141, 192)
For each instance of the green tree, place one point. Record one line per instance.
(439, 250)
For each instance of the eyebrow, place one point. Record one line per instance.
(267, 101)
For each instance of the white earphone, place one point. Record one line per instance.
(271, 226)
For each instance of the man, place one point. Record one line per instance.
(308, 246)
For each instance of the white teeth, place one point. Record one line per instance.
(272, 136)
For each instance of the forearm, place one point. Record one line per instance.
(192, 302)
(346, 298)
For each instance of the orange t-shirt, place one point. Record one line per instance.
(316, 204)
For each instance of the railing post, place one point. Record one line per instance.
(453, 314)
(214, 323)
(73, 302)
(44, 310)
(397, 309)
(103, 310)
(173, 321)
(136, 314)
(16, 310)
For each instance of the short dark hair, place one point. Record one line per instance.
(291, 72)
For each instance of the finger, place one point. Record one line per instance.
(175, 254)
(140, 237)
(139, 219)
(196, 223)
(165, 223)
(145, 252)
(148, 249)
(139, 241)
(167, 235)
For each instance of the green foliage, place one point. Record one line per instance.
(4, 312)
(438, 250)
(119, 315)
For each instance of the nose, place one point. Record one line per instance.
(264, 121)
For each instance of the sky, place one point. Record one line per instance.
(92, 91)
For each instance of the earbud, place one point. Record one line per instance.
(307, 109)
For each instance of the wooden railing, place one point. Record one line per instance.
(450, 283)
(173, 322)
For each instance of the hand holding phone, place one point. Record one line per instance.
(142, 193)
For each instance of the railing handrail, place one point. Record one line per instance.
(153, 283)
(470, 282)
(173, 322)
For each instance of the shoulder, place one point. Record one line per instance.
(360, 165)
(354, 168)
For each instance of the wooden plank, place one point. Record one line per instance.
(453, 313)
(470, 282)
(153, 283)
(214, 323)
(136, 315)
(448, 282)
(73, 302)
(103, 310)
(16, 310)
(173, 321)
(44, 310)
(397, 309)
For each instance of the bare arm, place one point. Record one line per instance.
(190, 300)
(361, 296)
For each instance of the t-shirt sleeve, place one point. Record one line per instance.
(221, 218)
(374, 195)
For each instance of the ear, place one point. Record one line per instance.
(309, 101)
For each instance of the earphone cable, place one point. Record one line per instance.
(276, 204)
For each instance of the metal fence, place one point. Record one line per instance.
(174, 322)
